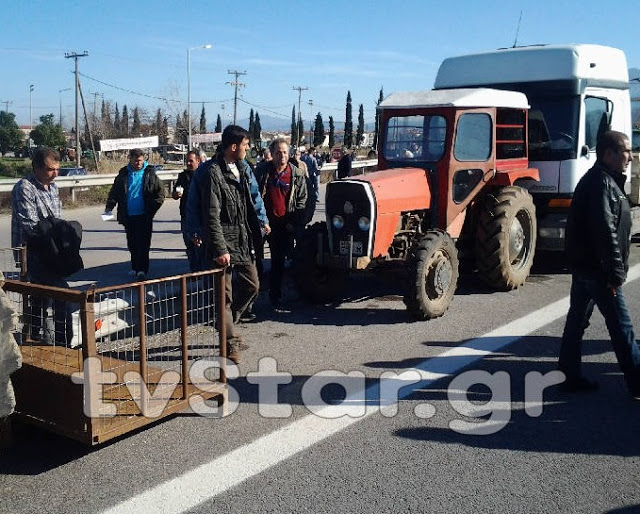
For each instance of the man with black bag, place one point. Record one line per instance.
(53, 245)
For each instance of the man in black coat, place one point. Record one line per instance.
(597, 245)
(181, 192)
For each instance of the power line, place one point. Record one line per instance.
(129, 90)
(261, 107)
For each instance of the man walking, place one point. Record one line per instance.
(284, 189)
(139, 194)
(228, 225)
(597, 244)
(181, 192)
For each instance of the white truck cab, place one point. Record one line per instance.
(575, 92)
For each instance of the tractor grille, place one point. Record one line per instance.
(351, 200)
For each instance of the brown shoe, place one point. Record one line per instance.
(234, 356)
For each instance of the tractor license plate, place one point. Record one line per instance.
(357, 248)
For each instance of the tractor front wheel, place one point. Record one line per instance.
(316, 283)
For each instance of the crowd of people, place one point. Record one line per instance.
(228, 209)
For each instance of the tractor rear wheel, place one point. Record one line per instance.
(433, 275)
(506, 237)
(316, 283)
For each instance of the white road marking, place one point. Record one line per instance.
(207, 481)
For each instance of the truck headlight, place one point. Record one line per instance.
(364, 223)
(337, 222)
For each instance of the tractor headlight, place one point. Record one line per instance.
(364, 223)
(337, 222)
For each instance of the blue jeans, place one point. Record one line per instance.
(586, 293)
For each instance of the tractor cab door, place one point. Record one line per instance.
(471, 164)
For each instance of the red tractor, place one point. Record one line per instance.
(448, 171)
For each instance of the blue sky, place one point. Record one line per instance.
(138, 50)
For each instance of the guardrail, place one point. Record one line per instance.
(6, 185)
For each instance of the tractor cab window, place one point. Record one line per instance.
(415, 138)
(464, 182)
(473, 137)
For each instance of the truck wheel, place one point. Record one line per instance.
(315, 283)
(433, 272)
(506, 237)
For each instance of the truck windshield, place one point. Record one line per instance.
(553, 128)
(415, 138)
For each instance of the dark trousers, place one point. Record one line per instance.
(194, 255)
(50, 319)
(281, 246)
(239, 297)
(585, 294)
(139, 229)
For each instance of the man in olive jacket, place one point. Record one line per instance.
(229, 225)
(597, 245)
(139, 193)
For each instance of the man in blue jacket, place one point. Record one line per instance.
(139, 193)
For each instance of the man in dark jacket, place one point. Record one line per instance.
(597, 244)
(139, 193)
(181, 192)
(229, 225)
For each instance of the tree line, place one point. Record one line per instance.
(114, 123)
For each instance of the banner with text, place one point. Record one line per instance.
(211, 137)
(109, 145)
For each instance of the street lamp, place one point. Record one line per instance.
(189, 89)
(60, 91)
(30, 113)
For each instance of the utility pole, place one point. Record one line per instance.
(310, 123)
(235, 83)
(75, 56)
(31, 88)
(299, 90)
(6, 104)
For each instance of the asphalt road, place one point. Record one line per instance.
(579, 454)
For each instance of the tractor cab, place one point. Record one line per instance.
(464, 139)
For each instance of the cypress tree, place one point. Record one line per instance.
(332, 132)
(318, 131)
(203, 121)
(360, 130)
(348, 123)
(377, 126)
(257, 128)
(294, 128)
(135, 128)
(124, 122)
